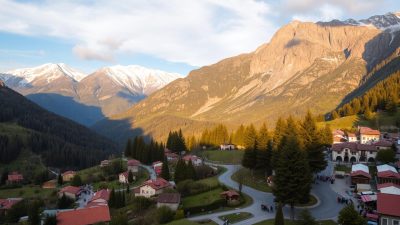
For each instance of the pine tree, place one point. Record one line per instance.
(356, 106)
(180, 171)
(250, 137)
(279, 220)
(130, 176)
(165, 170)
(60, 180)
(112, 199)
(327, 138)
(34, 213)
(190, 171)
(239, 135)
(391, 104)
(292, 181)
(368, 114)
(249, 159)
(128, 148)
(263, 137)
(335, 115)
(279, 132)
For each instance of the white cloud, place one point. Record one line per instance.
(190, 31)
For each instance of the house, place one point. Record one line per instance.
(152, 187)
(133, 165)
(123, 178)
(389, 188)
(383, 144)
(70, 191)
(388, 209)
(339, 136)
(101, 197)
(230, 195)
(354, 152)
(368, 135)
(68, 175)
(351, 137)
(387, 174)
(84, 216)
(171, 200)
(227, 146)
(360, 174)
(104, 163)
(172, 156)
(6, 204)
(51, 184)
(157, 166)
(196, 161)
(15, 178)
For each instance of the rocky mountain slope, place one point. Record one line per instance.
(305, 65)
(86, 98)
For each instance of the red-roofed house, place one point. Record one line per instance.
(387, 174)
(84, 216)
(99, 198)
(230, 195)
(170, 200)
(15, 178)
(196, 161)
(360, 174)
(123, 177)
(6, 204)
(70, 191)
(68, 175)
(388, 209)
(133, 165)
(152, 187)
(368, 135)
(351, 137)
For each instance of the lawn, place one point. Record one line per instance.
(27, 192)
(343, 168)
(256, 180)
(188, 222)
(212, 182)
(289, 222)
(204, 198)
(236, 217)
(223, 156)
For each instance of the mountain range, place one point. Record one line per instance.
(86, 98)
(304, 66)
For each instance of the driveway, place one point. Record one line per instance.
(327, 208)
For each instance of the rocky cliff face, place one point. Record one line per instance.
(305, 65)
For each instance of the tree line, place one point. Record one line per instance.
(383, 96)
(146, 153)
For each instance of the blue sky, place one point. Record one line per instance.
(173, 35)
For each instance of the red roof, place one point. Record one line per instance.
(230, 193)
(15, 176)
(69, 172)
(388, 174)
(169, 198)
(133, 162)
(388, 204)
(380, 186)
(71, 189)
(360, 173)
(157, 184)
(353, 146)
(8, 203)
(383, 143)
(351, 135)
(102, 194)
(368, 131)
(84, 216)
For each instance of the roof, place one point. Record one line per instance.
(71, 189)
(49, 184)
(388, 204)
(386, 167)
(368, 198)
(383, 143)
(158, 183)
(190, 157)
(133, 162)
(169, 198)
(389, 188)
(368, 131)
(338, 132)
(156, 162)
(15, 176)
(102, 194)
(8, 203)
(84, 216)
(351, 135)
(388, 174)
(230, 193)
(360, 173)
(353, 146)
(69, 172)
(359, 167)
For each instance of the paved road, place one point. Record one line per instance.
(151, 171)
(327, 208)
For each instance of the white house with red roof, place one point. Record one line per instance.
(123, 177)
(157, 166)
(196, 161)
(100, 197)
(84, 216)
(15, 178)
(388, 209)
(6, 204)
(68, 175)
(368, 135)
(70, 191)
(133, 165)
(152, 187)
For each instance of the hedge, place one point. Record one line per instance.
(204, 208)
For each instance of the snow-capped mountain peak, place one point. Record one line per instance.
(45, 73)
(139, 79)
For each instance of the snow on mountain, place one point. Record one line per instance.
(139, 79)
(45, 73)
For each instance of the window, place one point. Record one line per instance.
(384, 221)
(371, 152)
(396, 222)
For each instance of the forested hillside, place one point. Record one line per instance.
(60, 142)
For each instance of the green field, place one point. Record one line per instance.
(256, 180)
(223, 156)
(289, 222)
(28, 192)
(236, 217)
(204, 198)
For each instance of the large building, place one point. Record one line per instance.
(368, 135)
(356, 152)
(388, 209)
(360, 174)
(388, 174)
(84, 216)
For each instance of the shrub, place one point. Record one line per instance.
(179, 214)
(165, 214)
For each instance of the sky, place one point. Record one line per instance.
(171, 35)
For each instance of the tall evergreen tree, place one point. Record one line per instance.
(279, 220)
(279, 132)
(239, 135)
(165, 170)
(180, 171)
(128, 148)
(190, 171)
(250, 137)
(249, 159)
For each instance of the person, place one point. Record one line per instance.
(272, 209)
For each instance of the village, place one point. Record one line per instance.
(359, 171)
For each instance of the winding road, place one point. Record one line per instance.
(326, 208)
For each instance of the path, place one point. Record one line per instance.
(327, 208)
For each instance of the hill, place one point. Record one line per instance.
(59, 141)
(304, 66)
